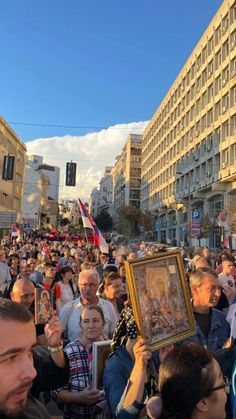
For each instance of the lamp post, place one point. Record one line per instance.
(189, 207)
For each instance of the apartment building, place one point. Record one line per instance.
(94, 202)
(40, 195)
(52, 172)
(189, 146)
(126, 175)
(106, 191)
(11, 190)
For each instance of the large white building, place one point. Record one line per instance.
(94, 202)
(189, 146)
(126, 175)
(106, 191)
(40, 197)
(52, 172)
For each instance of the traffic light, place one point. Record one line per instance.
(8, 167)
(70, 174)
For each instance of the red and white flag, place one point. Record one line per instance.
(88, 222)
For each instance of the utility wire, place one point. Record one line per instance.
(68, 126)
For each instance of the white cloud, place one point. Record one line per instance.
(92, 152)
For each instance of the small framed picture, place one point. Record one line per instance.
(43, 305)
(160, 298)
(101, 351)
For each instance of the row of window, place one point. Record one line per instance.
(204, 62)
(164, 153)
(197, 174)
(208, 103)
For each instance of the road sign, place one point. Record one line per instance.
(195, 215)
(196, 222)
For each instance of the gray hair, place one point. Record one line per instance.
(86, 272)
(197, 277)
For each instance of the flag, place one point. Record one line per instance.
(88, 222)
(231, 318)
(15, 232)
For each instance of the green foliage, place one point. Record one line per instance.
(147, 220)
(206, 226)
(128, 220)
(104, 221)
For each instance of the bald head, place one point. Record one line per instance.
(23, 292)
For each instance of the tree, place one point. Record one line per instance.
(147, 220)
(104, 221)
(64, 221)
(128, 220)
(206, 226)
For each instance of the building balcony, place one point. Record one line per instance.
(228, 174)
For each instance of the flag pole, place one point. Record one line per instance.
(86, 237)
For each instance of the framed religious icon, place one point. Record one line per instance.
(43, 303)
(101, 351)
(160, 298)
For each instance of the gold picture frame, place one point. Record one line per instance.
(101, 351)
(160, 298)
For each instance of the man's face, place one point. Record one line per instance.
(16, 365)
(54, 257)
(50, 273)
(23, 294)
(103, 259)
(26, 270)
(208, 293)
(88, 286)
(66, 253)
(227, 267)
(31, 262)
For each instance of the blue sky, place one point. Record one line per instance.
(92, 63)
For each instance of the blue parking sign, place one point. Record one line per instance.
(195, 215)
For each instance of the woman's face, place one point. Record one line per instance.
(92, 325)
(14, 261)
(218, 398)
(67, 276)
(114, 289)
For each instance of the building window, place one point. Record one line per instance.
(4, 199)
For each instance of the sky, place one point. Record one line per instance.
(78, 76)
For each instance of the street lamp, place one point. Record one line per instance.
(189, 206)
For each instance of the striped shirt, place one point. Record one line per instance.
(80, 379)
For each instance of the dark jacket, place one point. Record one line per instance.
(49, 376)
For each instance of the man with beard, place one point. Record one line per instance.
(17, 371)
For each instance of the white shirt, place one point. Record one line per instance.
(5, 275)
(70, 315)
(67, 295)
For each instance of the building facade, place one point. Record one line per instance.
(52, 172)
(126, 175)
(40, 209)
(106, 191)
(11, 191)
(94, 200)
(189, 146)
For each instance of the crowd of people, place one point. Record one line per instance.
(52, 359)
